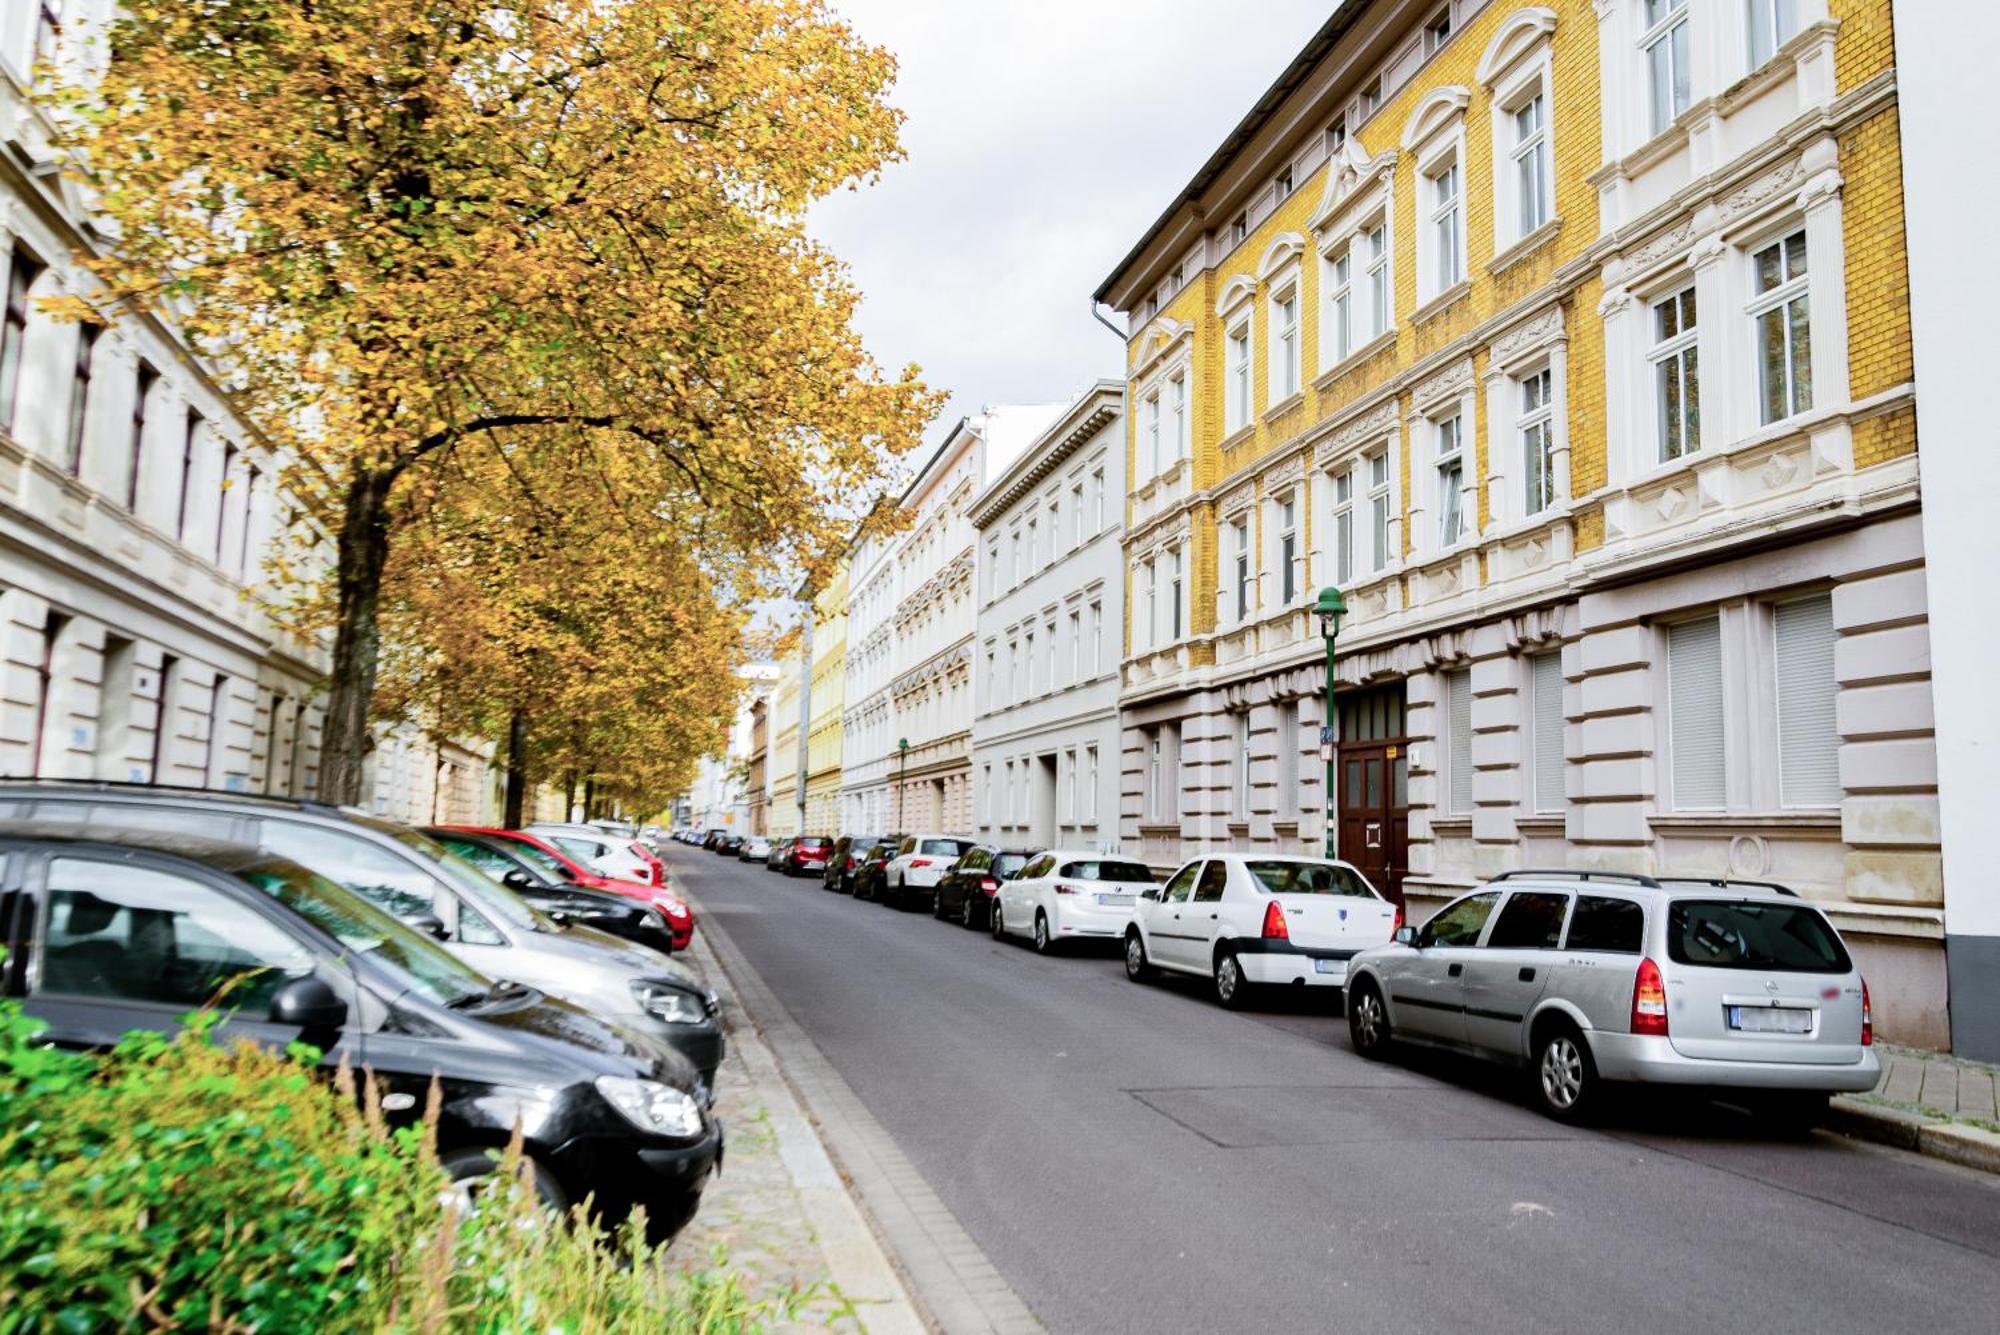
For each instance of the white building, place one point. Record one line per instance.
(1051, 587)
(868, 724)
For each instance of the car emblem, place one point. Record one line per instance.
(1343, 915)
(1771, 985)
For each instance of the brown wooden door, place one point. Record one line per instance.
(1373, 790)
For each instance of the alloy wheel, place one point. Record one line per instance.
(1135, 957)
(1367, 1022)
(1041, 933)
(1228, 980)
(1562, 1072)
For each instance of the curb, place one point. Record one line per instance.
(1919, 1132)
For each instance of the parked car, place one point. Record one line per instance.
(870, 878)
(542, 884)
(965, 892)
(1588, 978)
(1063, 896)
(1246, 920)
(555, 862)
(108, 934)
(912, 875)
(775, 859)
(611, 854)
(410, 876)
(807, 855)
(755, 849)
(845, 860)
(727, 844)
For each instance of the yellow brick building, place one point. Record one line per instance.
(1571, 341)
(829, 701)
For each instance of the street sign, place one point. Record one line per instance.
(1326, 737)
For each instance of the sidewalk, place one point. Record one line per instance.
(1930, 1103)
(779, 1210)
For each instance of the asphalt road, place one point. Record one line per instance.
(1134, 1158)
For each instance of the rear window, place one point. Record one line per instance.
(1781, 938)
(943, 848)
(813, 841)
(1598, 923)
(1009, 864)
(1122, 872)
(1310, 878)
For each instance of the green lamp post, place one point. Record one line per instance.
(1330, 608)
(902, 767)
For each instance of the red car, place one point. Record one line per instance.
(680, 918)
(808, 855)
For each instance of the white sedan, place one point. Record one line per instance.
(1070, 896)
(1252, 919)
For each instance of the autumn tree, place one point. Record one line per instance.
(406, 230)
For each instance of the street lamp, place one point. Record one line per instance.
(902, 767)
(1330, 608)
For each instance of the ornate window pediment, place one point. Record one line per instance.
(1438, 109)
(1239, 289)
(1350, 172)
(1158, 337)
(1285, 248)
(1516, 36)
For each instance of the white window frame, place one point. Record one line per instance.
(1445, 447)
(1535, 435)
(1454, 750)
(1774, 23)
(1680, 350)
(1177, 418)
(1284, 554)
(1792, 288)
(1239, 359)
(1381, 277)
(1671, 33)
(1443, 247)
(1283, 377)
(1339, 284)
(1532, 172)
(1242, 589)
(1149, 434)
(1340, 525)
(1176, 595)
(1380, 464)
(1545, 791)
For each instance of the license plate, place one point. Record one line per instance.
(1330, 966)
(1770, 1020)
(1115, 901)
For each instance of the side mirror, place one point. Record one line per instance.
(428, 923)
(308, 1003)
(1406, 936)
(518, 879)
(1152, 894)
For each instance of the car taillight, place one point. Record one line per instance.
(1067, 889)
(850, 864)
(1649, 1001)
(1275, 927)
(1396, 923)
(920, 862)
(989, 885)
(1867, 1017)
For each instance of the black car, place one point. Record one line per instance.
(727, 844)
(965, 893)
(869, 878)
(104, 936)
(774, 860)
(848, 851)
(542, 881)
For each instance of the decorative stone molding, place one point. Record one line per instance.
(1434, 112)
(1531, 335)
(1517, 35)
(1613, 302)
(1758, 190)
(1649, 253)
(1237, 501)
(1235, 292)
(1377, 422)
(1350, 172)
(1284, 249)
(1824, 185)
(1450, 382)
(1706, 251)
(1286, 473)
(1157, 339)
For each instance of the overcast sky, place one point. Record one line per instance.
(1043, 137)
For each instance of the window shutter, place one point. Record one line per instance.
(1808, 736)
(1694, 709)
(1548, 684)
(1458, 725)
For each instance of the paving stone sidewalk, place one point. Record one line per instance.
(1933, 1083)
(780, 1213)
(1928, 1102)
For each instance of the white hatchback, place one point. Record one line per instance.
(1255, 919)
(1070, 896)
(605, 854)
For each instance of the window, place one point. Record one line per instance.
(1446, 234)
(1241, 529)
(21, 276)
(1378, 507)
(188, 438)
(1034, 545)
(1076, 672)
(79, 398)
(1177, 417)
(1458, 742)
(53, 625)
(1616, 925)
(1774, 938)
(126, 933)
(142, 392)
(1694, 713)
(1285, 748)
(1049, 638)
(1155, 774)
(1239, 765)
(1090, 783)
(1214, 880)
(1438, 31)
(1238, 403)
(1377, 242)
(1284, 183)
(1537, 427)
(1336, 135)
(1676, 375)
(1150, 417)
(1781, 311)
(385, 879)
(1531, 163)
(1772, 24)
(1460, 923)
(1182, 884)
(48, 30)
(1096, 639)
(1343, 527)
(223, 484)
(1371, 97)
(1285, 315)
(1808, 734)
(1097, 501)
(1450, 480)
(1340, 305)
(1666, 46)
(1076, 515)
(250, 479)
(163, 717)
(1150, 624)
(1546, 687)
(1239, 230)
(1532, 920)
(1288, 549)
(1174, 594)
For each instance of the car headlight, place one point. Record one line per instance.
(652, 1106)
(668, 1003)
(652, 921)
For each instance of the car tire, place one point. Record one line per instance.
(1137, 967)
(1232, 989)
(1045, 944)
(965, 913)
(1368, 1021)
(996, 926)
(1566, 1083)
(892, 897)
(468, 1168)
(937, 905)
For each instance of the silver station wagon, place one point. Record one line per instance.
(1589, 977)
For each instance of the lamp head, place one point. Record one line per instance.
(1330, 608)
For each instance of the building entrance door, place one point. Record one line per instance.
(1374, 786)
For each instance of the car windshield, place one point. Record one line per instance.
(1108, 870)
(421, 965)
(1009, 864)
(1309, 878)
(944, 848)
(488, 891)
(540, 860)
(1782, 938)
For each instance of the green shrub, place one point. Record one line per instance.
(186, 1185)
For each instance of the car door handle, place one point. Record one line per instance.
(1213, 916)
(1527, 975)
(1455, 970)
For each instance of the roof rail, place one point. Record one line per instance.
(1727, 882)
(1565, 873)
(171, 789)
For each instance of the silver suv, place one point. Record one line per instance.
(1589, 977)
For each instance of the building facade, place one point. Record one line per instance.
(1572, 343)
(868, 722)
(1050, 585)
(931, 691)
(783, 763)
(756, 782)
(828, 685)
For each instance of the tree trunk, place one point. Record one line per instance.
(357, 640)
(590, 799)
(517, 771)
